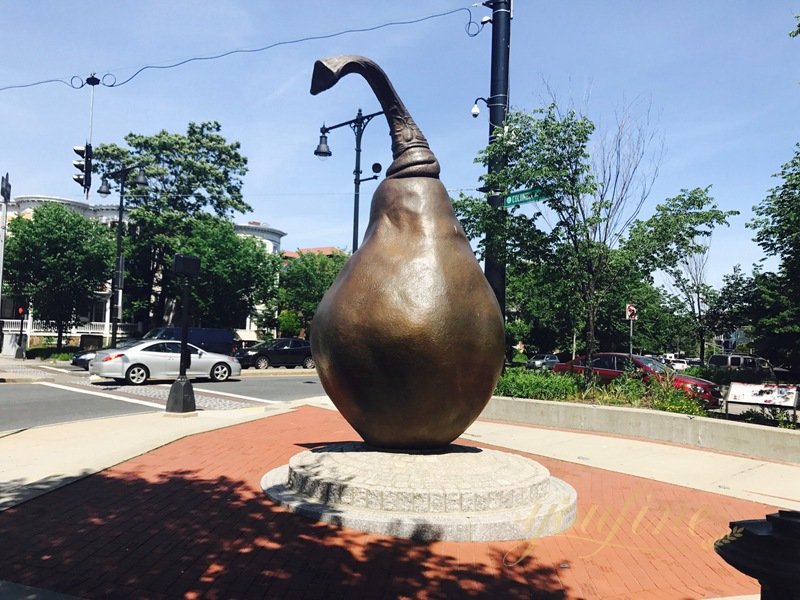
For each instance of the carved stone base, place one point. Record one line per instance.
(458, 493)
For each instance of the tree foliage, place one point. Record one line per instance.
(774, 297)
(582, 255)
(673, 240)
(236, 275)
(188, 175)
(56, 260)
(588, 204)
(304, 281)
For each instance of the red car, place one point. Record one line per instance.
(610, 365)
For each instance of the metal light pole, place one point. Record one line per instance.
(5, 193)
(494, 267)
(323, 151)
(117, 280)
(181, 394)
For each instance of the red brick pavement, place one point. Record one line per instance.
(190, 520)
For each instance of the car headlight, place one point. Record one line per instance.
(696, 388)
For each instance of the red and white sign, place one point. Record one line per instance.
(631, 313)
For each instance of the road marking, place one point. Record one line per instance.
(101, 394)
(240, 397)
(60, 370)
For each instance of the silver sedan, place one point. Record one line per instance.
(159, 359)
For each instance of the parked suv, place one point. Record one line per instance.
(739, 362)
(283, 352)
(221, 341)
(610, 365)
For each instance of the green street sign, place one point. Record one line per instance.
(521, 197)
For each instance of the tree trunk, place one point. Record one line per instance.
(60, 337)
(702, 339)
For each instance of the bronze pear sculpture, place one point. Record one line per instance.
(408, 340)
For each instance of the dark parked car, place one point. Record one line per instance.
(84, 357)
(283, 352)
(610, 365)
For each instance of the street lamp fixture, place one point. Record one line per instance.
(323, 151)
(117, 281)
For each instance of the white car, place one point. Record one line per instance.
(542, 361)
(161, 359)
(679, 364)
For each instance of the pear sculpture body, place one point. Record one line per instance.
(408, 341)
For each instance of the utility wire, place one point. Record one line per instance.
(472, 29)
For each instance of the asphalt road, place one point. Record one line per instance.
(72, 395)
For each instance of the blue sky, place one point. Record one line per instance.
(721, 79)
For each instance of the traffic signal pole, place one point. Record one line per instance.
(84, 165)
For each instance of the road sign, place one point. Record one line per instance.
(521, 197)
(631, 313)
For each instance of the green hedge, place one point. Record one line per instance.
(542, 385)
(627, 390)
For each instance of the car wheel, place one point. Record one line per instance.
(308, 363)
(262, 362)
(220, 372)
(137, 375)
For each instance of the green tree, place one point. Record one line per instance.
(289, 323)
(590, 203)
(237, 273)
(777, 222)
(775, 304)
(57, 259)
(304, 281)
(672, 240)
(188, 175)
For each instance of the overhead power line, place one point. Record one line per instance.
(472, 29)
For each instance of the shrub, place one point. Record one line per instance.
(772, 416)
(51, 353)
(542, 385)
(627, 390)
(519, 358)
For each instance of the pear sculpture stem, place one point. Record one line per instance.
(408, 341)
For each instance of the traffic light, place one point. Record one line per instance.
(84, 165)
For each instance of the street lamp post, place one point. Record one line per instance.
(5, 194)
(118, 279)
(323, 151)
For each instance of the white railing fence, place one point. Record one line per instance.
(46, 329)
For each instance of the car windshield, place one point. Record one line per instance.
(539, 357)
(654, 365)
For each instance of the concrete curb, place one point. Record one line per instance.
(758, 441)
(20, 378)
